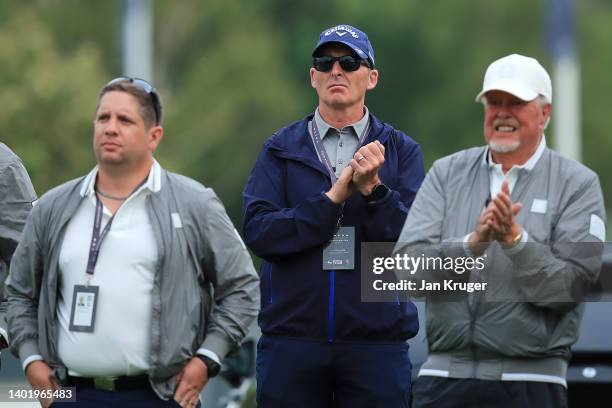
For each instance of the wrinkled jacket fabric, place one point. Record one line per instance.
(288, 221)
(16, 198)
(203, 254)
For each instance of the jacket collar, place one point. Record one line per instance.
(357, 127)
(294, 141)
(153, 182)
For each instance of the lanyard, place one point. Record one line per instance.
(97, 237)
(316, 139)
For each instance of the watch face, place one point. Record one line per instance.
(377, 193)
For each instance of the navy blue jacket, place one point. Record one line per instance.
(289, 219)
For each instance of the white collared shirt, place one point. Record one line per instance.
(496, 173)
(124, 273)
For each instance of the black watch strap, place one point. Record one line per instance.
(378, 192)
(212, 366)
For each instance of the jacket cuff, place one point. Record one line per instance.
(210, 354)
(520, 245)
(31, 359)
(522, 254)
(217, 343)
(28, 349)
(4, 338)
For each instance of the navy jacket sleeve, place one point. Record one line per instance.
(389, 214)
(271, 229)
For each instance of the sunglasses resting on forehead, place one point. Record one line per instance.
(347, 63)
(145, 86)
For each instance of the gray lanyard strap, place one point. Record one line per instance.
(318, 143)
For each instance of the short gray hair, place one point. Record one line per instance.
(542, 101)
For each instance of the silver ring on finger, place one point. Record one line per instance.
(361, 158)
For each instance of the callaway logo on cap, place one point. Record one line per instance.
(342, 30)
(350, 36)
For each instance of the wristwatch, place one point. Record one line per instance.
(212, 366)
(516, 239)
(378, 192)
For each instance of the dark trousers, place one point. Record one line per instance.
(294, 373)
(438, 392)
(93, 398)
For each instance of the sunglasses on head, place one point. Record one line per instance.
(347, 63)
(145, 86)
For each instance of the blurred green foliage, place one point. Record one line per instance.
(232, 72)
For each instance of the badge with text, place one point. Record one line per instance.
(84, 303)
(340, 252)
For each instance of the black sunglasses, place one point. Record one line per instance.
(148, 88)
(347, 63)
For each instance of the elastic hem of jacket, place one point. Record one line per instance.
(496, 368)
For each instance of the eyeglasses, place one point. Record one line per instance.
(347, 63)
(145, 86)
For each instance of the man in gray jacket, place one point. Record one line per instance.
(144, 308)
(16, 198)
(532, 222)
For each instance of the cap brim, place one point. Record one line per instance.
(513, 88)
(358, 51)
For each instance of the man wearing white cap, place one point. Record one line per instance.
(535, 222)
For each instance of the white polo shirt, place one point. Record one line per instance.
(496, 173)
(124, 273)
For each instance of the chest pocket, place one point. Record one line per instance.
(537, 217)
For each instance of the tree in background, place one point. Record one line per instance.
(230, 73)
(47, 97)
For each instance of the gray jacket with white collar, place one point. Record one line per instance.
(523, 325)
(205, 293)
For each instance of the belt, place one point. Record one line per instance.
(122, 383)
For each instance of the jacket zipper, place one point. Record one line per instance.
(332, 280)
(270, 285)
(155, 319)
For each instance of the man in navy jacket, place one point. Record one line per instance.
(321, 187)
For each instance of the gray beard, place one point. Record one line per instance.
(504, 148)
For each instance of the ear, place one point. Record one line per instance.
(546, 110)
(372, 79)
(313, 82)
(155, 135)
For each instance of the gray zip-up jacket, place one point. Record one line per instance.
(205, 292)
(523, 326)
(16, 198)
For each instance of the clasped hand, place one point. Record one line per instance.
(361, 174)
(497, 222)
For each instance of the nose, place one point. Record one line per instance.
(111, 126)
(503, 110)
(337, 69)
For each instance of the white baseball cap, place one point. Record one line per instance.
(518, 75)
